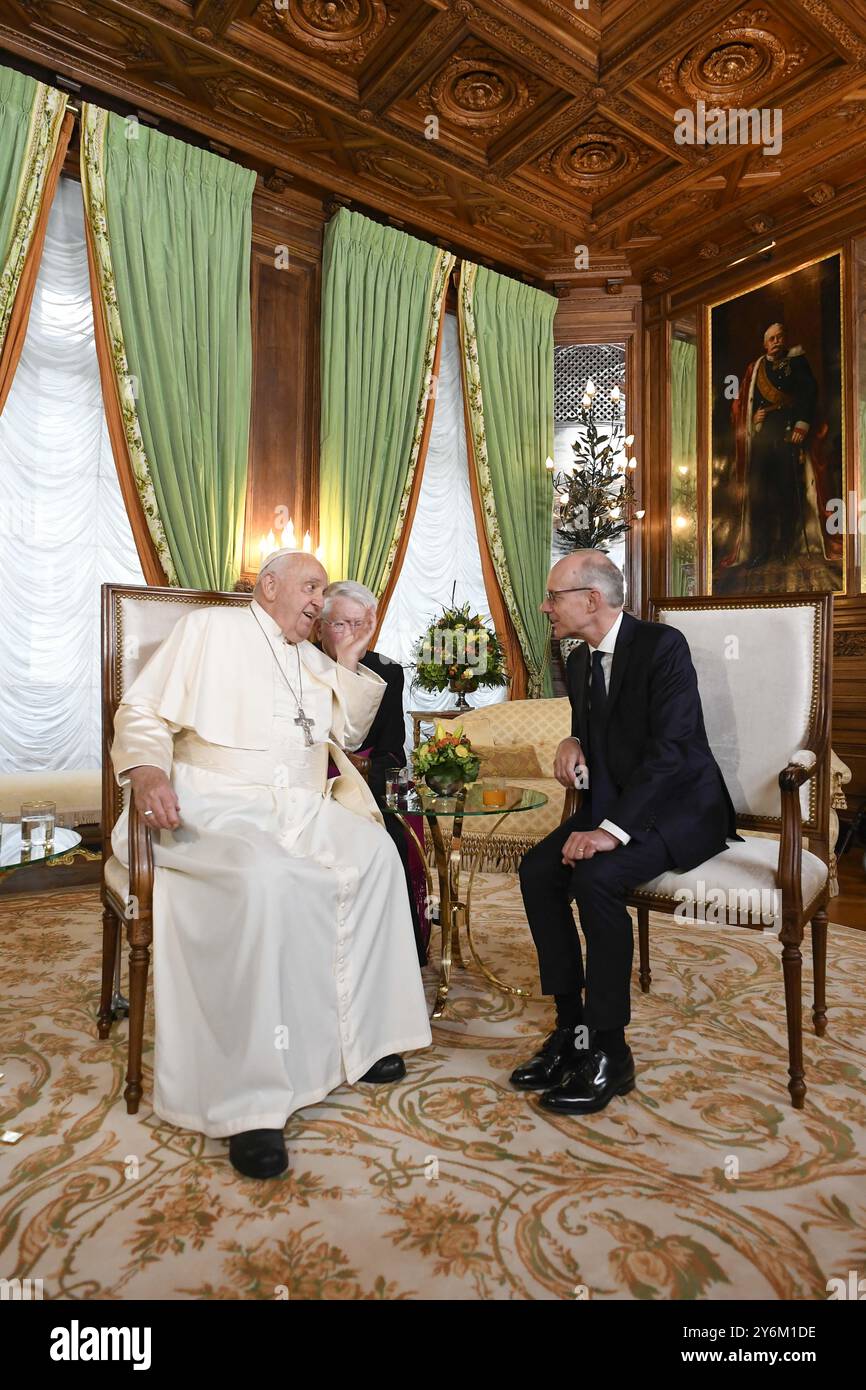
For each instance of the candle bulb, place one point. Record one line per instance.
(641, 513)
(590, 387)
(615, 393)
(587, 401)
(632, 463)
(628, 441)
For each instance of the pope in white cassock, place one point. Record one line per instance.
(284, 959)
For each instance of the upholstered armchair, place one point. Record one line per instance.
(764, 674)
(134, 623)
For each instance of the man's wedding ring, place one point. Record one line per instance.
(148, 813)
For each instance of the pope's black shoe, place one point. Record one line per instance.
(391, 1068)
(594, 1082)
(259, 1153)
(550, 1065)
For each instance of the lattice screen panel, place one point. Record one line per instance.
(604, 362)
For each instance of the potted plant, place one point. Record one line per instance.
(446, 761)
(460, 651)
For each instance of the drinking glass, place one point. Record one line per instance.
(37, 829)
(493, 791)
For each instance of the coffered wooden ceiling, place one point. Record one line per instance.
(552, 124)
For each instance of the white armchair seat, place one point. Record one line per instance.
(116, 878)
(745, 879)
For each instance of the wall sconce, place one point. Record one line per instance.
(282, 537)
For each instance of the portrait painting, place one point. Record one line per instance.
(776, 442)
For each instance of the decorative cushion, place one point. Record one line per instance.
(77, 795)
(739, 886)
(505, 760)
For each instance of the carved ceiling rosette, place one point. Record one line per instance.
(524, 230)
(733, 64)
(595, 158)
(113, 33)
(245, 98)
(343, 29)
(478, 90)
(401, 173)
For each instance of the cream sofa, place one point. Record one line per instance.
(516, 740)
(77, 795)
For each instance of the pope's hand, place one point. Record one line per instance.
(569, 757)
(153, 793)
(583, 844)
(351, 645)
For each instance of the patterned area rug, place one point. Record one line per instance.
(703, 1183)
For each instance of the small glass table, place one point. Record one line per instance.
(15, 855)
(449, 861)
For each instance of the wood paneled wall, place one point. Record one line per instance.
(284, 425)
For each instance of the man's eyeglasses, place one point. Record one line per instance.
(553, 594)
(340, 626)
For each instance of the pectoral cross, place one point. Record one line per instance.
(307, 723)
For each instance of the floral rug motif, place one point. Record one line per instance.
(703, 1183)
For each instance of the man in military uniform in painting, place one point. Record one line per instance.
(775, 428)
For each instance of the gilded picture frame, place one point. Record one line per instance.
(777, 485)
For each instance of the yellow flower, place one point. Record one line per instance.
(468, 673)
(462, 751)
(442, 732)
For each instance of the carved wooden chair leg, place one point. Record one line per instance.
(139, 961)
(819, 966)
(110, 950)
(792, 968)
(644, 972)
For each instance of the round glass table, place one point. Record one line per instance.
(448, 853)
(14, 854)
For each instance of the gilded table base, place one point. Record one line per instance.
(454, 911)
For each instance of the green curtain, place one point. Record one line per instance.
(172, 227)
(31, 116)
(382, 295)
(507, 340)
(684, 446)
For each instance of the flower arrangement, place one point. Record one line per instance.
(446, 760)
(459, 651)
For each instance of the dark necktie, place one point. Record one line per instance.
(602, 792)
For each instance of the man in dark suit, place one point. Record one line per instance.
(655, 800)
(346, 603)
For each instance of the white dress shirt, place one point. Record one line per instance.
(606, 647)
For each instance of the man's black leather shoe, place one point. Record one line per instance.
(259, 1153)
(391, 1068)
(594, 1082)
(550, 1065)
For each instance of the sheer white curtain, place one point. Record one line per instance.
(443, 545)
(63, 526)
